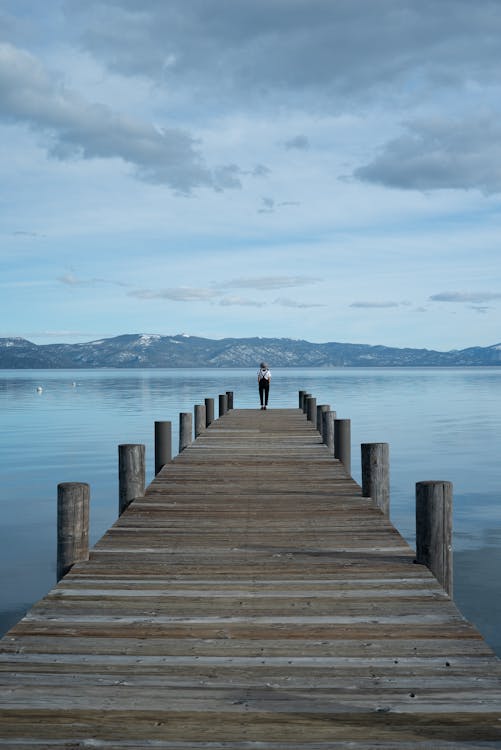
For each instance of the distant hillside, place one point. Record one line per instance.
(142, 350)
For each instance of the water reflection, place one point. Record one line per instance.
(440, 424)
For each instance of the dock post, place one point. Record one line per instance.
(163, 444)
(311, 410)
(328, 418)
(185, 430)
(209, 411)
(223, 404)
(342, 442)
(301, 398)
(229, 400)
(376, 474)
(200, 419)
(434, 529)
(306, 396)
(72, 525)
(131, 474)
(321, 408)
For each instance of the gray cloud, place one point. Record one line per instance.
(268, 282)
(21, 233)
(178, 294)
(269, 205)
(217, 290)
(465, 296)
(286, 302)
(269, 48)
(369, 305)
(71, 280)
(78, 129)
(441, 153)
(481, 310)
(240, 301)
(299, 142)
(261, 170)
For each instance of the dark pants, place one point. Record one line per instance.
(264, 391)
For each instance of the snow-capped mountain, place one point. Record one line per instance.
(181, 350)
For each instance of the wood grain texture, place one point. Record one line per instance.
(252, 598)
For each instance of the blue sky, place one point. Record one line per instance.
(288, 168)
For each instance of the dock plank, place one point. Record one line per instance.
(253, 598)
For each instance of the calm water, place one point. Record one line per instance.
(441, 424)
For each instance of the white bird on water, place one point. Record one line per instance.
(39, 389)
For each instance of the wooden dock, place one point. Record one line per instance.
(252, 599)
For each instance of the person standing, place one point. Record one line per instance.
(263, 379)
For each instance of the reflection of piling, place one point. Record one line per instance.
(72, 525)
(434, 530)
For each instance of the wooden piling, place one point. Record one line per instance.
(301, 398)
(223, 404)
(163, 445)
(342, 442)
(376, 474)
(311, 410)
(252, 598)
(434, 530)
(72, 525)
(209, 411)
(229, 400)
(185, 430)
(321, 408)
(328, 418)
(200, 419)
(131, 474)
(306, 396)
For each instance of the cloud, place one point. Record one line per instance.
(179, 294)
(441, 153)
(481, 310)
(261, 170)
(286, 302)
(78, 129)
(240, 301)
(71, 280)
(299, 142)
(465, 296)
(268, 282)
(269, 205)
(218, 290)
(21, 233)
(378, 305)
(231, 51)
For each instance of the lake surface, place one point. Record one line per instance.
(440, 424)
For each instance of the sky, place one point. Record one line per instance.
(327, 170)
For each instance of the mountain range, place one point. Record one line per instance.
(152, 350)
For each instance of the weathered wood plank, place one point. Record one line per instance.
(251, 599)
